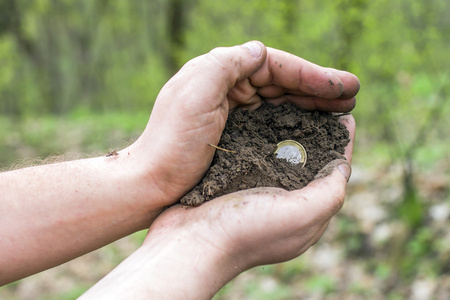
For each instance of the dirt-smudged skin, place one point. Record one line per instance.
(252, 137)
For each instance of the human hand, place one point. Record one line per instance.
(202, 248)
(263, 225)
(192, 108)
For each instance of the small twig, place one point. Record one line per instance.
(221, 148)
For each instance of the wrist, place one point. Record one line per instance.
(199, 269)
(142, 182)
(175, 268)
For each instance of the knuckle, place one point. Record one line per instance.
(226, 63)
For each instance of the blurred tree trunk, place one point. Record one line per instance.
(291, 15)
(42, 53)
(176, 22)
(11, 22)
(166, 23)
(51, 56)
(351, 14)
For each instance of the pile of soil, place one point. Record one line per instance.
(246, 157)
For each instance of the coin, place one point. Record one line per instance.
(291, 151)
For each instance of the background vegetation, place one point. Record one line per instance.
(81, 76)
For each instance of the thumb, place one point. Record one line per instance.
(210, 77)
(233, 64)
(325, 195)
(327, 191)
(341, 164)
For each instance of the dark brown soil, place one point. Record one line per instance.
(251, 137)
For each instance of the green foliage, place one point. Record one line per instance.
(109, 55)
(73, 293)
(89, 133)
(64, 54)
(411, 210)
(258, 291)
(91, 71)
(419, 255)
(324, 284)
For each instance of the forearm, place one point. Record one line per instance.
(53, 213)
(177, 269)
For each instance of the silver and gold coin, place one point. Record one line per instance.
(291, 151)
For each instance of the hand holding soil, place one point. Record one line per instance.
(81, 205)
(245, 157)
(247, 228)
(191, 110)
(239, 231)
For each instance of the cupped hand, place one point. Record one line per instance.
(191, 110)
(201, 248)
(257, 226)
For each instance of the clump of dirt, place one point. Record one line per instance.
(249, 141)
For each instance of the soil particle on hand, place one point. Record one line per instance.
(252, 137)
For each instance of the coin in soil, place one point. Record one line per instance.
(257, 156)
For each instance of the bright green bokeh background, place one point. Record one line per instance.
(81, 76)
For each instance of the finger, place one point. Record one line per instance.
(244, 59)
(281, 91)
(327, 193)
(252, 103)
(349, 122)
(292, 72)
(313, 103)
(233, 64)
(243, 93)
(321, 199)
(224, 68)
(351, 83)
(271, 91)
(211, 76)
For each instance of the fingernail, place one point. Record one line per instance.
(255, 49)
(342, 165)
(345, 170)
